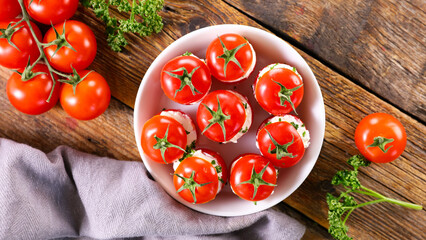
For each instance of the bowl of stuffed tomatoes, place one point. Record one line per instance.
(226, 122)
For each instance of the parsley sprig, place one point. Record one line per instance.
(147, 10)
(342, 206)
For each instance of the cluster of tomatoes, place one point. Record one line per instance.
(224, 116)
(68, 48)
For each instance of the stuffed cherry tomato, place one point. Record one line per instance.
(279, 89)
(74, 46)
(186, 79)
(380, 137)
(200, 177)
(230, 58)
(21, 47)
(252, 177)
(209, 156)
(283, 140)
(167, 136)
(51, 11)
(30, 96)
(224, 116)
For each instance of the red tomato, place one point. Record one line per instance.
(51, 11)
(380, 137)
(252, 177)
(221, 122)
(80, 37)
(279, 90)
(230, 58)
(11, 57)
(163, 139)
(196, 180)
(281, 143)
(91, 98)
(30, 96)
(185, 79)
(9, 9)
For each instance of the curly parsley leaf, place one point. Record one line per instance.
(146, 10)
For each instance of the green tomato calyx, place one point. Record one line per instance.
(217, 117)
(163, 144)
(190, 184)
(285, 95)
(59, 42)
(381, 143)
(185, 79)
(256, 180)
(229, 55)
(280, 150)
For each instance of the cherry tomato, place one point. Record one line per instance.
(230, 58)
(9, 9)
(252, 177)
(163, 139)
(281, 143)
(30, 96)
(185, 79)
(79, 36)
(91, 97)
(279, 90)
(10, 56)
(196, 180)
(51, 11)
(222, 115)
(380, 137)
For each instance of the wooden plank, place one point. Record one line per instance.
(403, 179)
(380, 43)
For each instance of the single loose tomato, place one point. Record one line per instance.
(196, 180)
(185, 79)
(252, 177)
(88, 99)
(281, 143)
(224, 116)
(163, 139)
(51, 11)
(22, 45)
(9, 9)
(380, 137)
(230, 58)
(31, 96)
(279, 89)
(77, 46)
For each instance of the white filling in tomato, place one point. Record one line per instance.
(297, 123)
(247, 121)
(278, 65)
(209, 158)
(186, 122)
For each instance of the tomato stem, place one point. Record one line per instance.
(26, 18)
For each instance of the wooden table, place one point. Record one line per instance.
(368, 56)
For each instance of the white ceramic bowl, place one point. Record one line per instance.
(269, 49)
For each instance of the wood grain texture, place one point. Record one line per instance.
(346, 104)
(378, 43)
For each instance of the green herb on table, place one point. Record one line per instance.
(146, 10)
(343, 205)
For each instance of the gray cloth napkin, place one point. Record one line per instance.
(67, 193)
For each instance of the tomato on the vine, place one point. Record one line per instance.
(77, 46)
(89, 96)
(51, 11)
(30, 96)
(230, 58)
(281, 143)
(185, 79)
(279, 89)
(22, 45)
(224, 116)
(196, 180)
(252, 177)
(380, 137)
(9, 9)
